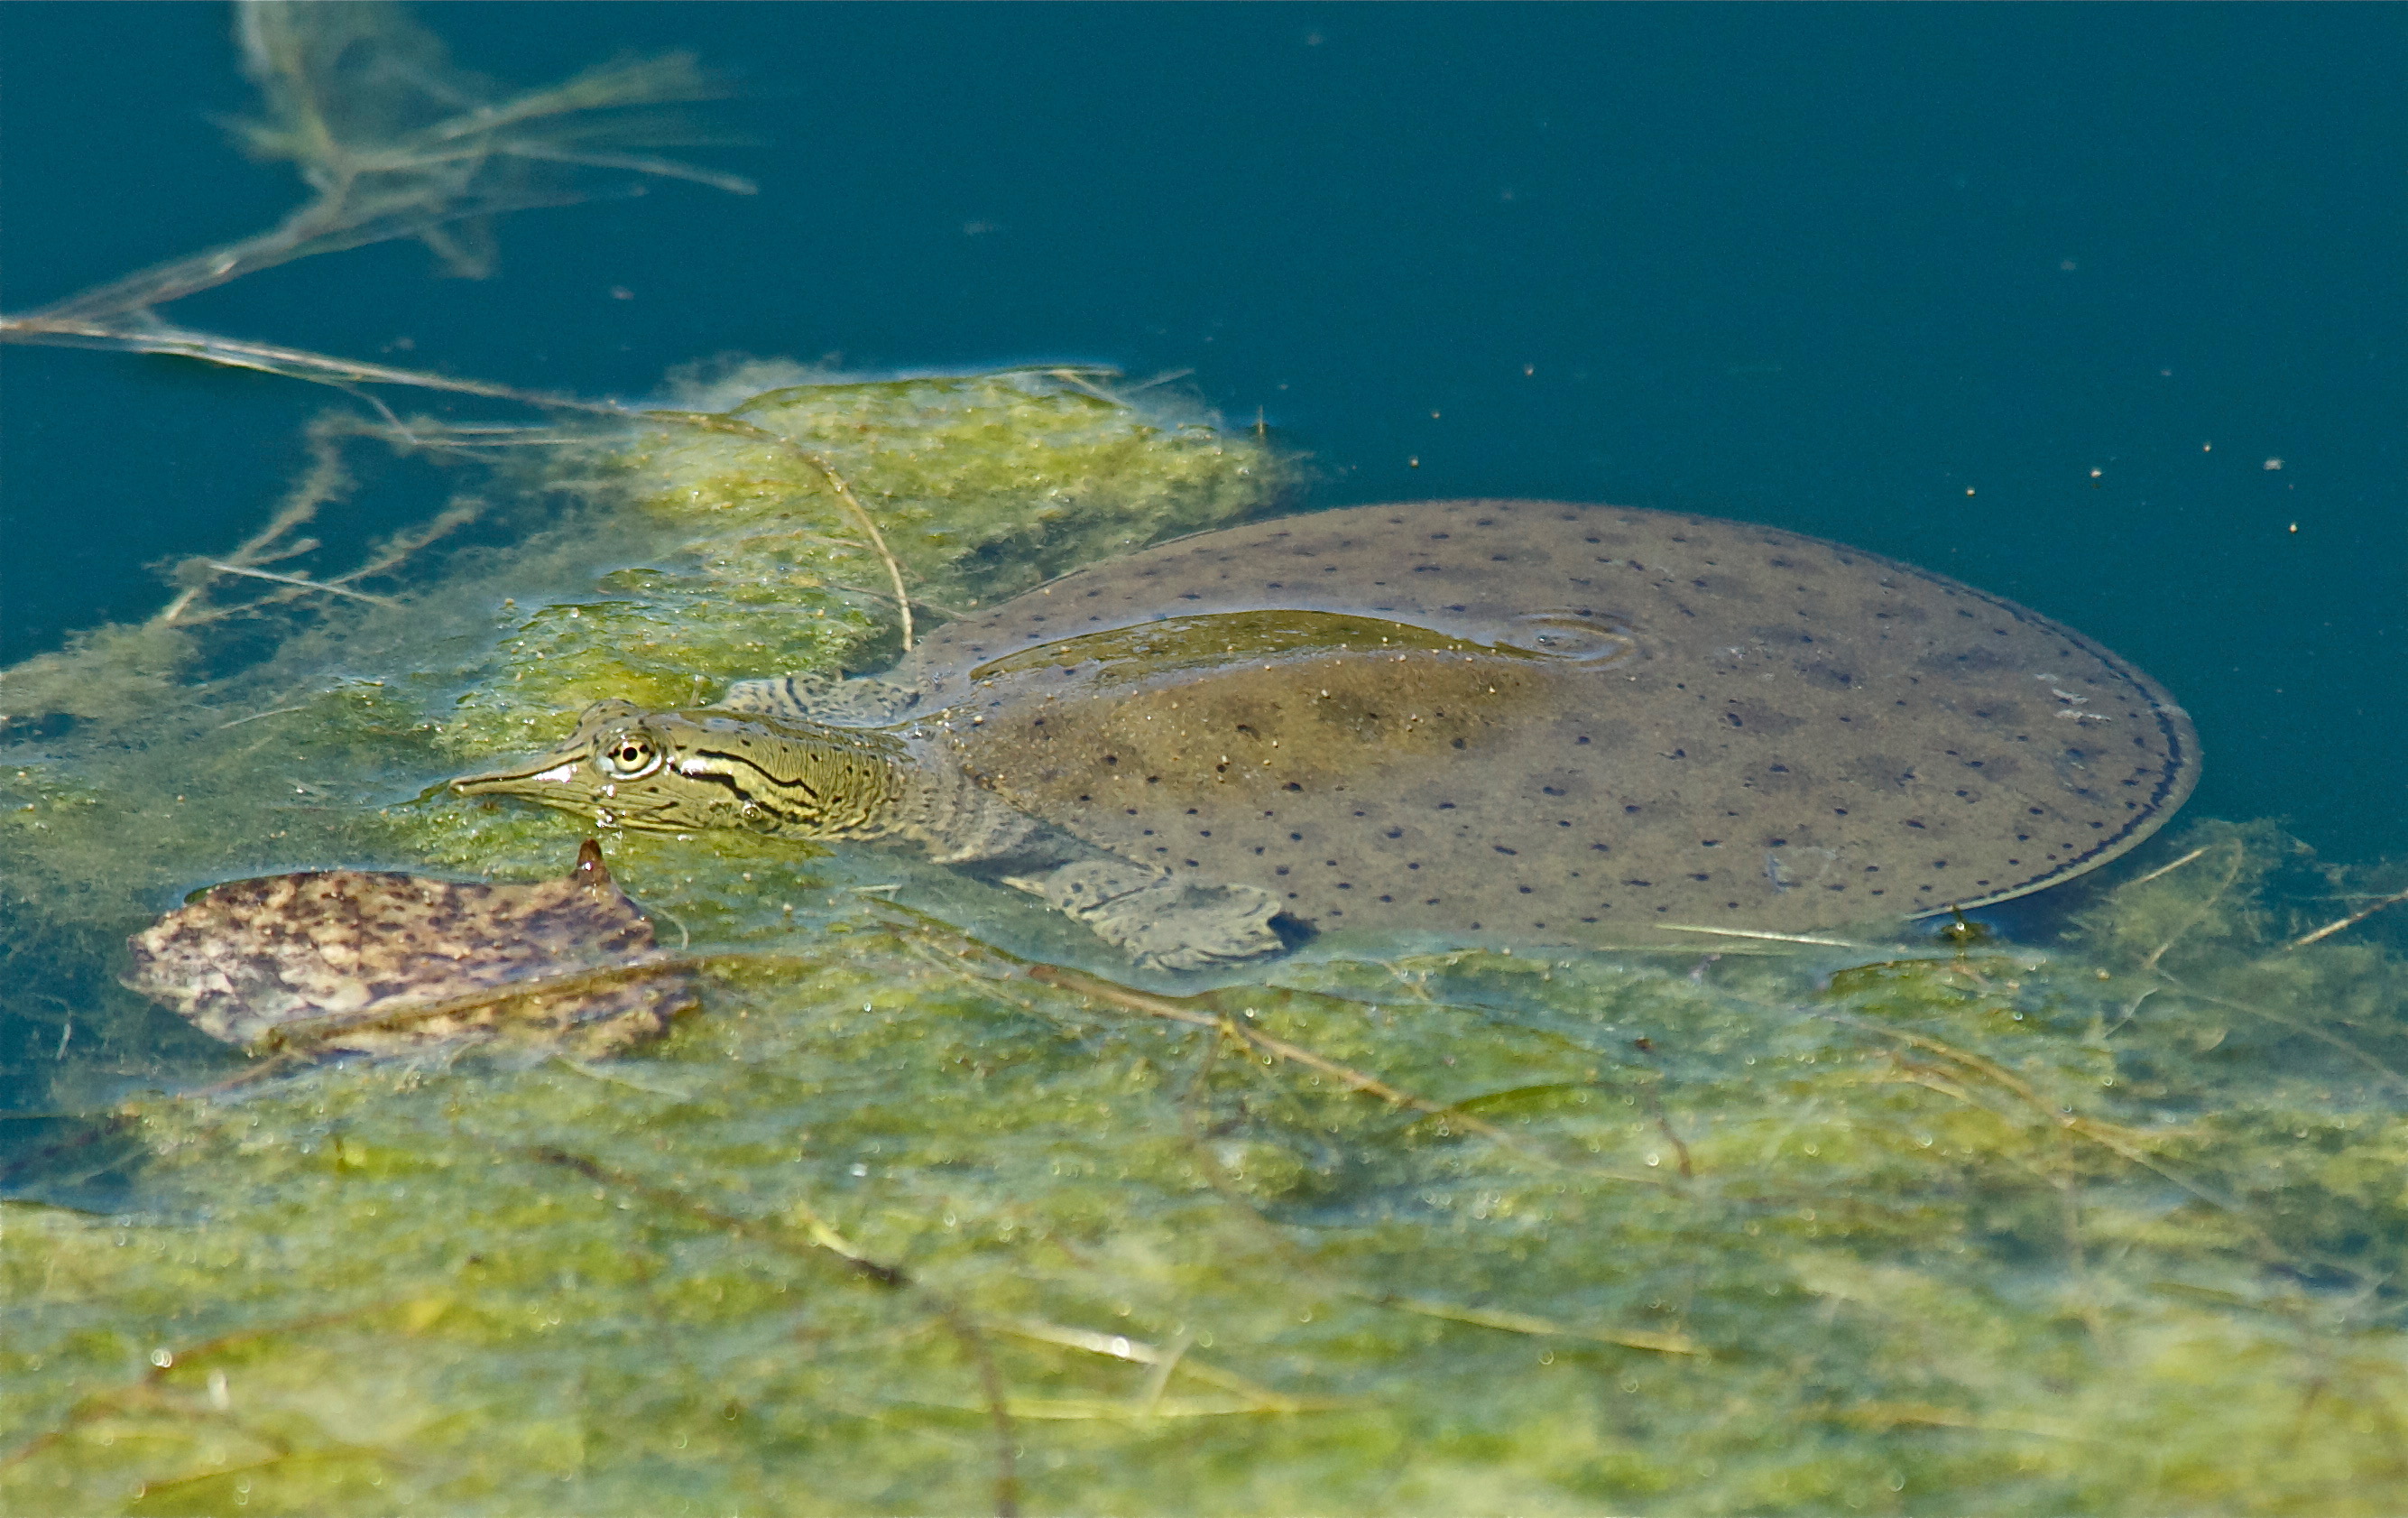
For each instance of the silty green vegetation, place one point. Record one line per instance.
(762, 497)
(899, 1221)
(652, 556)
(2112, 1229)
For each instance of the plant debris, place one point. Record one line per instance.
(382, 963)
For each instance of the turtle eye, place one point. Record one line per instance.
(626, 755)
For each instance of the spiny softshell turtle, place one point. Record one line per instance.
(381, 963)
(1482, 720)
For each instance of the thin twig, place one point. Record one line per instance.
(372, 186)
(299, 582)
(1137, 1352)
(717, 422)
(2130, 1008)
(2330, 1040)
(1664, 1125)
(667, 169)
(257, 715)
(2115, 1140)
(1774, 938)
(2350, 921)
(1523, 1322)
(1157, 1380)
(2239, 857)
(876, 540)
(460, 511)
(822, 1236)
(1351, 1078)
(614, 1077)
(325, 480)
(2169, 869)
(165, 1360)
(1166, 377)
(999, 1406)
(274, 358)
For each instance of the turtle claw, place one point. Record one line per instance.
(1177, 927)
(1160, 922)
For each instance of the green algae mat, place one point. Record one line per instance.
(926, 1208)
(929, 1205)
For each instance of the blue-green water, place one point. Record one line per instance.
(1828, 269)
(2102, 1215)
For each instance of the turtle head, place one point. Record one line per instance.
(684, 771)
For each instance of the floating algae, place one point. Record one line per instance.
(1989, 1233)
(898, 1222)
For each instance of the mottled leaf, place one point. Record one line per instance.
(351, 961)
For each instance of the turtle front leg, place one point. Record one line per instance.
(861, 703)
(1161, 922)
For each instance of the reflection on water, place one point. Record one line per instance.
(912, 1218)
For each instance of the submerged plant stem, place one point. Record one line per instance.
(1346, 1076)
(822, 1236)
(2350, 921)
(2200, 915)
(2169, 869)
(299, 582)
(714, 422)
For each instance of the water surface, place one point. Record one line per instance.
(930, 1207)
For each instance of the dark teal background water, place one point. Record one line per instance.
(2030, 296)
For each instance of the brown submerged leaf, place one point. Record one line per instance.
(353, 962)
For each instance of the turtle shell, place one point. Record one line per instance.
(1527, 720)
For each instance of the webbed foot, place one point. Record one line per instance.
(1160, 922)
